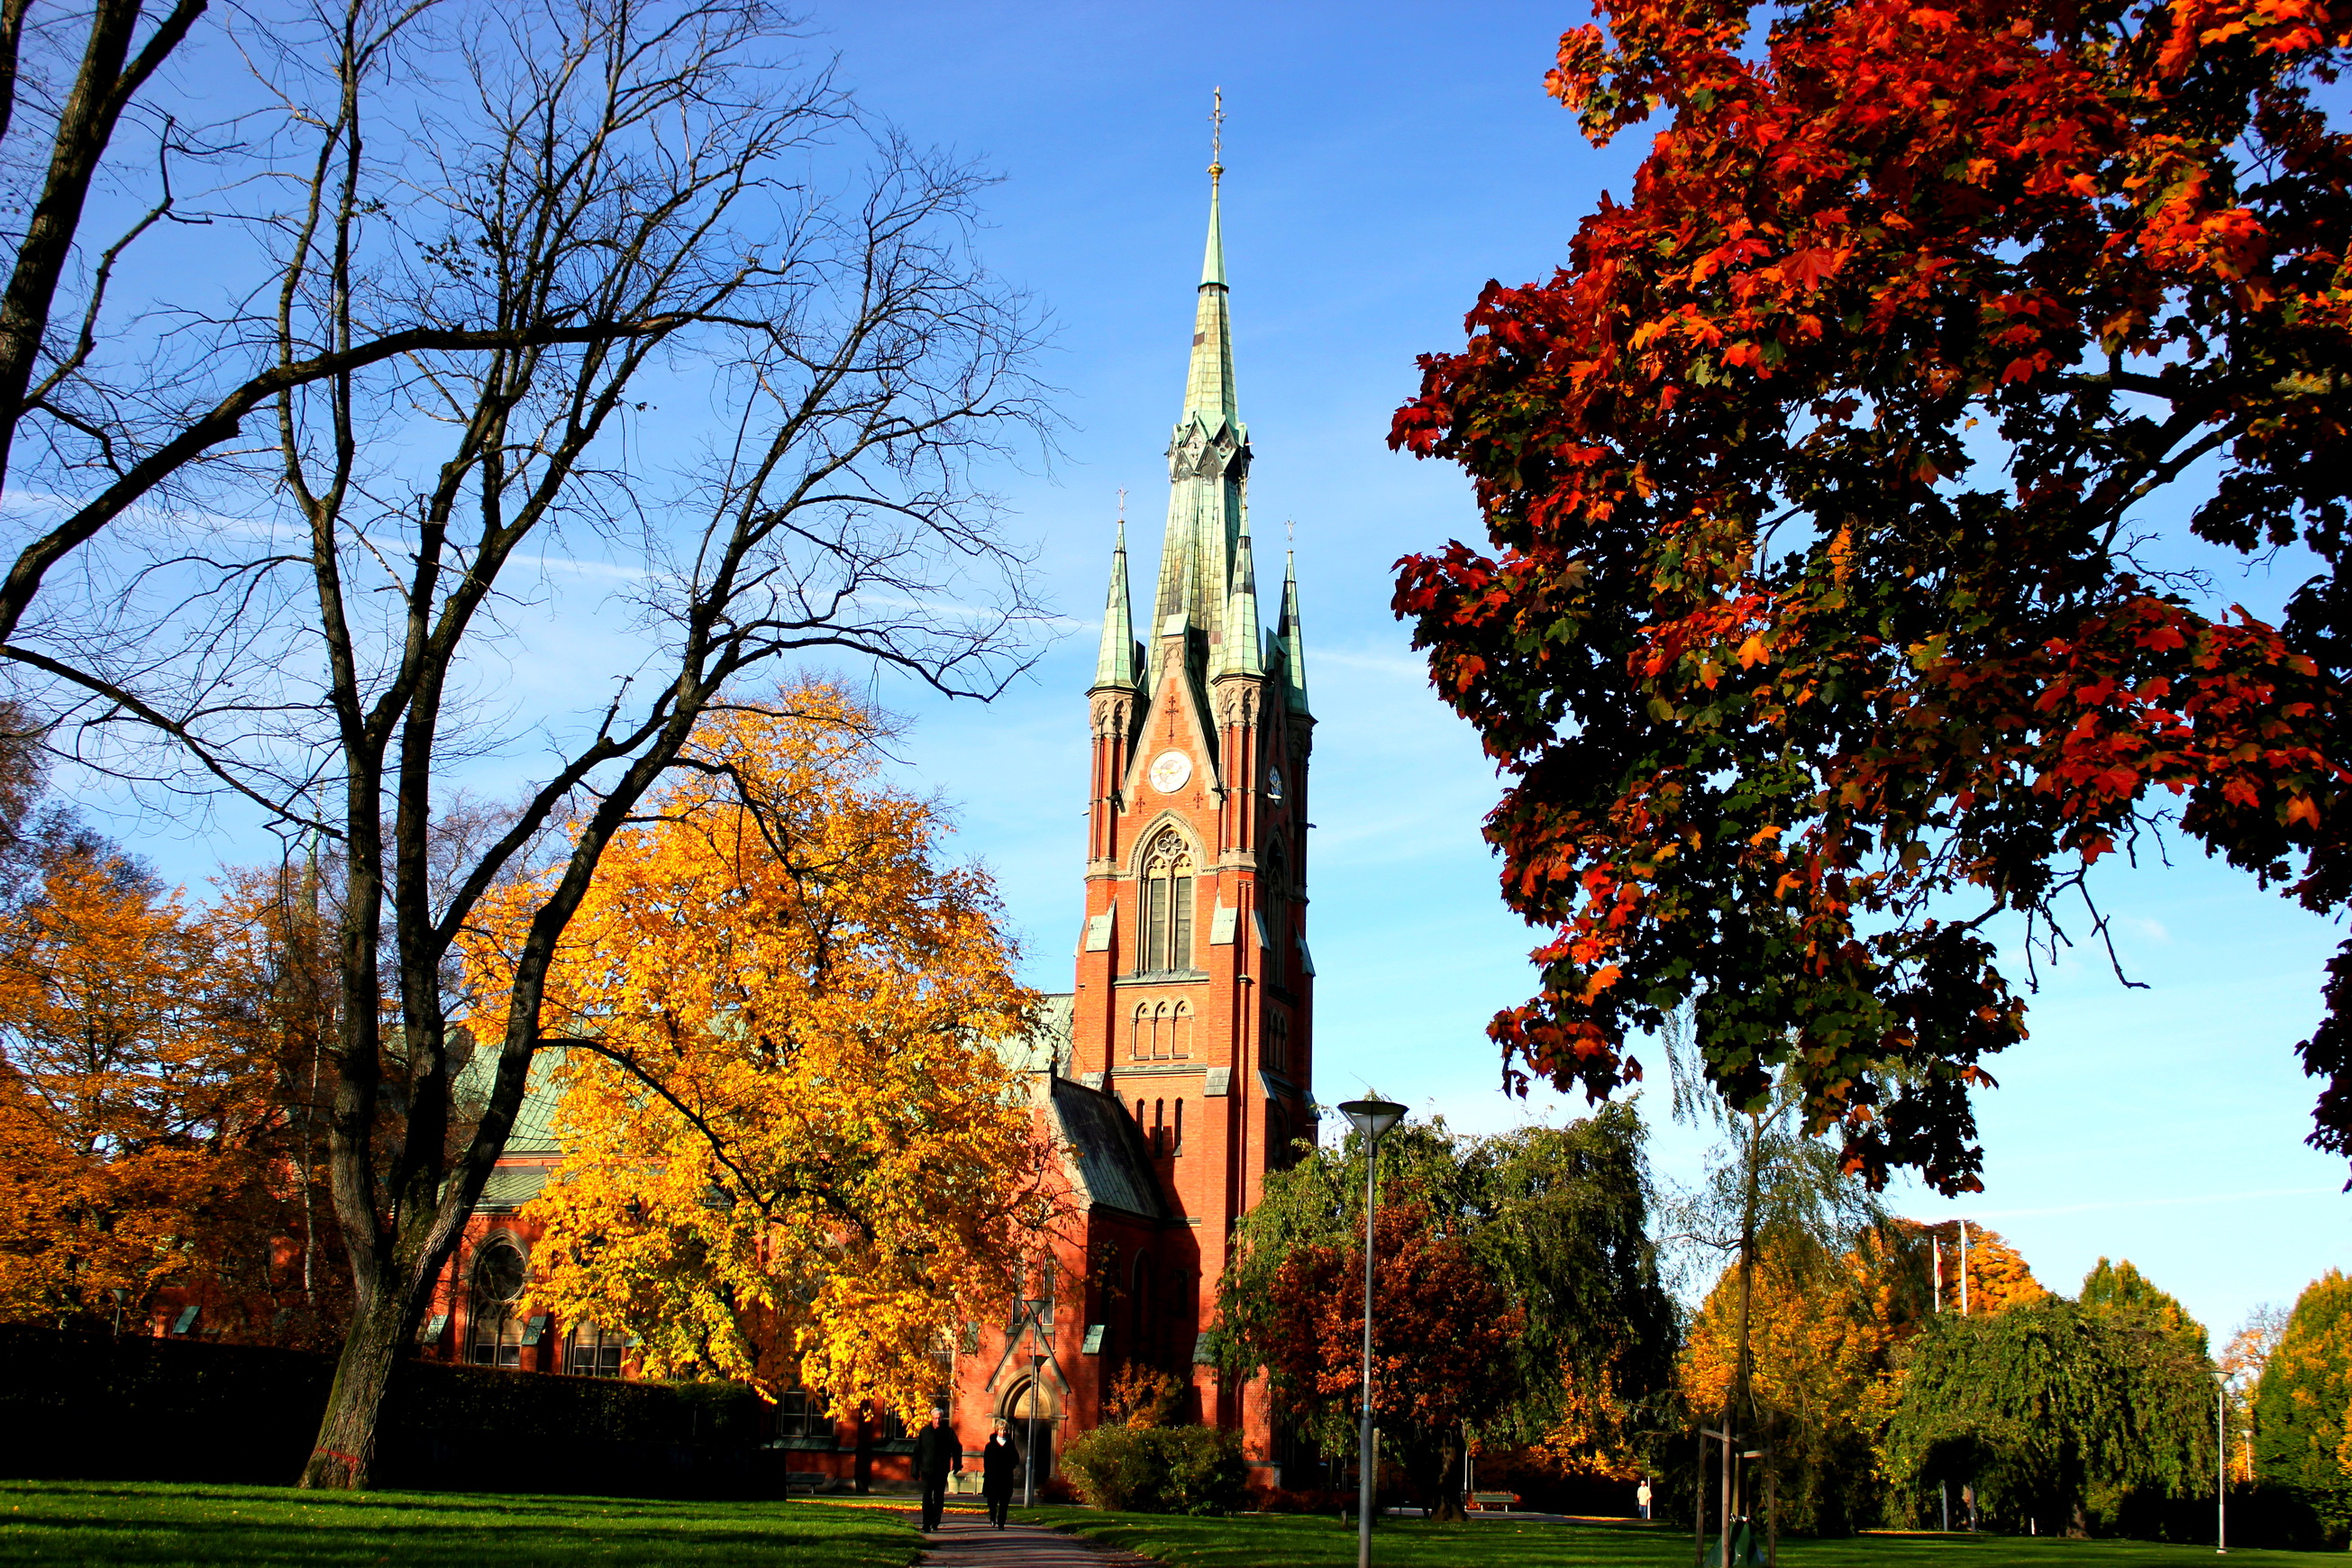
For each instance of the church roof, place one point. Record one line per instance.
(1114, 1168)
(1106, 1148)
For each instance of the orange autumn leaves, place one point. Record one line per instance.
(147, 1138)
(1802, 629)
(791, 1156)
(1826, 1349)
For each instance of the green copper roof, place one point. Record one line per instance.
(1241, 650)
(1114, 663)
(1212, 260)
(1294, 645)
(1209, 386)
(1208, 462)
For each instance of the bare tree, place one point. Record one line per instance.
(340, 646)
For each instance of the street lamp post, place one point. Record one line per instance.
(1034, 1311)
(1372, 1118)
(2220, 1464)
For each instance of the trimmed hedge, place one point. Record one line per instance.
(1159, 1470)
(92, 1407)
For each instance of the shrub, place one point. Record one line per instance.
(1158, 1469)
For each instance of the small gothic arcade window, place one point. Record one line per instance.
(1168, 904)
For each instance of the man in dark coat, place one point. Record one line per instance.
(1000, 1471)
(939, 1454)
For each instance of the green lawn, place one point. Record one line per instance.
(1275, 1540)
(110, 1523)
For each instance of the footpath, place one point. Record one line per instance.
(968, 1541)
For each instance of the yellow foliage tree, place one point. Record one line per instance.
(791, 1156)
(1823, 1341)
(1824, 1345)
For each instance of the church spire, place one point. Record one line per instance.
(1208, 462)
(1243, 652)
(1114, 663)
(1294, 645)
(1209, 386)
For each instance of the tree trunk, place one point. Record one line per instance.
(345, 1457)
(1443, 1490)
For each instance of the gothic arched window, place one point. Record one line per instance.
(1274, 911)
(1179, 1032)
(1277, 1042)
(498, 1286)
(1139, 1032)
(1168, 904)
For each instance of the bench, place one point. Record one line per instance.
(805, 1481)
(1485, 1501)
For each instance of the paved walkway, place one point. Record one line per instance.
(965, 1540)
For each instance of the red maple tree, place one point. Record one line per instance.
(1823, 622)
(1441, 1336)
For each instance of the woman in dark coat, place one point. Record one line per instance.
(1000, 1471)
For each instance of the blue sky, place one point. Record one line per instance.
(1383, 161)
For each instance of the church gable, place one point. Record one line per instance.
(1177, 724)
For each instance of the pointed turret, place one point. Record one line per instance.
(1115, 664)
(1294, 645)
(1242, 651)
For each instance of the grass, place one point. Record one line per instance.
(1289, 1540)
(125, 1522)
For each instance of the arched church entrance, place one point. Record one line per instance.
(1023, 1401)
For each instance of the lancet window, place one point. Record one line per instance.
(1168, 904)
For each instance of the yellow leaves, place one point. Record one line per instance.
(1753, 652)
(791, 1155)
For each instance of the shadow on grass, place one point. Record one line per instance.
(106, 1523)
(1268, 1541)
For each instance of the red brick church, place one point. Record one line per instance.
(1179, 1068)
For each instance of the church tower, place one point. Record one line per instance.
(1194, 1004)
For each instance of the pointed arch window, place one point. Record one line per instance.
(1274, 911)
(1139, 1032)
(1168, 904)
(1180, 1033)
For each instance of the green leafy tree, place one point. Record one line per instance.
(1559, 1218)
(2058, 1412)
(1817, 1283)
(2124, 1293)
(2300, 1405)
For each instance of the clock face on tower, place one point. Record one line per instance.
(1169, 771)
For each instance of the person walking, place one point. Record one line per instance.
(1000, 1471)
(939, 1454)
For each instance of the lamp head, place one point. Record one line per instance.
(1373, 1117)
